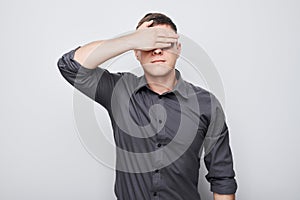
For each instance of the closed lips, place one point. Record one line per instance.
(155, 61)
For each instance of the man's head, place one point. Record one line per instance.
(158, 19)
(161, 61)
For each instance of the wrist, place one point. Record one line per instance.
(130, 41)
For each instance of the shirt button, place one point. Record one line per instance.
(155, 194)
(159, 145)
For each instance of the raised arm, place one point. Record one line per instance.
(145, 38)
(80, 66)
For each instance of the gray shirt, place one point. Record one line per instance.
(159, 138)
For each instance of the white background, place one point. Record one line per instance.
(254, 45)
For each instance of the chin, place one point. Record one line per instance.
(157, 70)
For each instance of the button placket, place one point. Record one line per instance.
(160, 122)
(161, 119)
(156, 181)
(155, 196)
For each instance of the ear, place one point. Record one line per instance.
(137, 54)
(178, 48)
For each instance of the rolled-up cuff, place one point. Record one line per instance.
(224, 186)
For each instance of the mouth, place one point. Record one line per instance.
(158, 61)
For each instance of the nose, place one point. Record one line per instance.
(157, 52)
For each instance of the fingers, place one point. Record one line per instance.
(161, 45)
(149, 37)
(162, 32)
(167, 40)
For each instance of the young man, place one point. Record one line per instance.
(160, 121)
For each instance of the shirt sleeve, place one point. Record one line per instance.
(98, 83)
(218, 156)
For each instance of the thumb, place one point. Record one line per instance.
(146, 24)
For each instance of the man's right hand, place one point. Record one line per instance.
(147, 38)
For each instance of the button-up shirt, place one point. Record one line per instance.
(159, 137)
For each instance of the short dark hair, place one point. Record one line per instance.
(158, 19)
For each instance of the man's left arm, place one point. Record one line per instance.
(218, 157)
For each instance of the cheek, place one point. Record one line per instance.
(144, 58)
(172, 57)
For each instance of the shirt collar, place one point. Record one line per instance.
(180, 86)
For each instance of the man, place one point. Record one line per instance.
(160, 121)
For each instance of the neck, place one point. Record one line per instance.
(161, 84)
